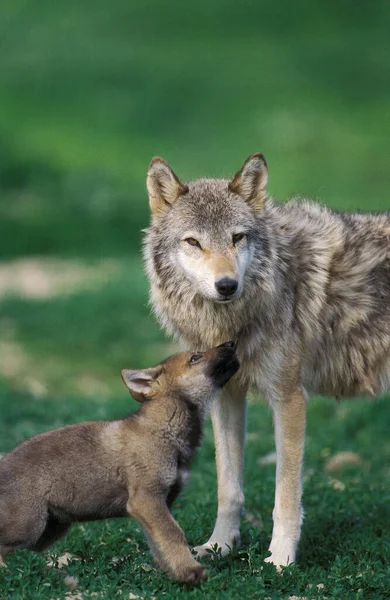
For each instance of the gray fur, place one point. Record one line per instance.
(318, 285)
(311, 314)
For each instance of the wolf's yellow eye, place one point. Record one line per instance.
(237, 237)
(192, 242)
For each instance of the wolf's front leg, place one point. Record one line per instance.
(289, 421)
(228, 418)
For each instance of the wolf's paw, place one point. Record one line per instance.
(221, 546)
(283, 553)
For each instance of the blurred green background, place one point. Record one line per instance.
(89, 93)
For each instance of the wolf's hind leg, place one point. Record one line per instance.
(289, 421)
(228, 418)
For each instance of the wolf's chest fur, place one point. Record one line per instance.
(316, 295)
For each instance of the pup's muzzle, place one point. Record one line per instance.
(225, 364)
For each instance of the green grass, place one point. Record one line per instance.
(89, 92)
(345, 541)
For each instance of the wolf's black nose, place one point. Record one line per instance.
(229, 345)
(226, 286)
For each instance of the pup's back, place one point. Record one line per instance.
(60, 469)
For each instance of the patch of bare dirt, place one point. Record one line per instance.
(267, 459)
(42, 278)
(341, 459)
(17, 366)
(253, 520)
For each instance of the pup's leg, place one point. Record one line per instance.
(167, 540)
(228, 417)
(289, 420)
(21, 525)
(154, 550)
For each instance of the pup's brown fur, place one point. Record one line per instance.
(135, 466)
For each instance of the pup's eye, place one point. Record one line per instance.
(192, 242)
(237, 237)
(195, 357)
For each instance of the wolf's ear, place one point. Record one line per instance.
(140, 382)
(164, 187)
(251, 181)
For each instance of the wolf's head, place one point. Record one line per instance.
(206, 229)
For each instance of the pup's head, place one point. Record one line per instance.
(193, 376)
(207, 227)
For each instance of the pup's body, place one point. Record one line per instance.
(135, 466)
(306, 291)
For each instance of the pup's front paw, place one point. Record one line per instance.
(192, 575)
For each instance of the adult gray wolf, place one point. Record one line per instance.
(135, 466)
(304, 290)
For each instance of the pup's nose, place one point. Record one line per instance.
(226, 286)
(228, 345)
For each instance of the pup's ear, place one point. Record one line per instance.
(140, 382)
(251, 181)
(164, 187)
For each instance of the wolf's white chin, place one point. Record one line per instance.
(227, 301)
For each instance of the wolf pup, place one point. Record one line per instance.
(102, 469)
(304, 290)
